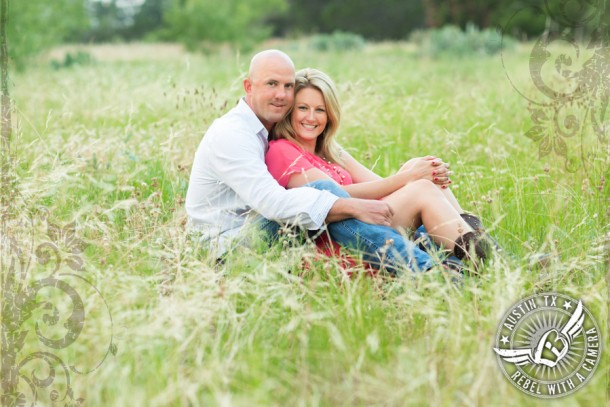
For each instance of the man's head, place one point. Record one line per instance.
(270, 86)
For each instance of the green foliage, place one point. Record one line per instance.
(452, 41)
(384, 19)
(522, 18)
(337, 41)
(112, 22)
(396, 19)
(108, 21)
(148, 19)
(194, 22)
(377, 20)
(35, 25)
(70, 59)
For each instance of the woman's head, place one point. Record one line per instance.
(314, 79)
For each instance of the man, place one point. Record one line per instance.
(230, 184)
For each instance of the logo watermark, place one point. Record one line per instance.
(548, 345)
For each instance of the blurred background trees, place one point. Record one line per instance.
(37, 24)
(211, 21)
(34, 25)
(374, 20)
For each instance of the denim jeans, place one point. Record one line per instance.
(382, 247)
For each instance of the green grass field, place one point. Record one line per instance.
(108, 146)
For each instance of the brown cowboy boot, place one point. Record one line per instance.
(476, 224)
(473, 246)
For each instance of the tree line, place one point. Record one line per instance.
(36, 24)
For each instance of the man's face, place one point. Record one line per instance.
(270, 91)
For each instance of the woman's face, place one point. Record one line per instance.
(309, 116)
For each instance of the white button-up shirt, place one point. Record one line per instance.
(229, 183)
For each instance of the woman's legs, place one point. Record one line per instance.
(452, 199)
(473, 221)
(423, 202)
(381, 246)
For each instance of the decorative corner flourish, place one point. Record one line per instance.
(571, 100)
(32, 267)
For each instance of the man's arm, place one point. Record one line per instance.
(237, 159)
(367, 210)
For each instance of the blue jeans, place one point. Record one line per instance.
(380, 246)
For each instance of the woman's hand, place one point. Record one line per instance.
(429, 167)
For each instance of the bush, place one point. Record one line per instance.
(419, 36)
(450, 40)
(337, 41)
(78, 58)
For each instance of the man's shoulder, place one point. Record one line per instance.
(235, 121)
(228, 127)
(232, 119)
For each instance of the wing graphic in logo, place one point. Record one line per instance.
(552, 347)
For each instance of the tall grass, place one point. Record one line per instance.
(109, 146)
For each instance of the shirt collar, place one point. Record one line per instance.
(252, 121)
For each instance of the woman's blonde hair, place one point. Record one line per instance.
(326, 147)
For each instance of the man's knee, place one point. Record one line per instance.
(330, 186)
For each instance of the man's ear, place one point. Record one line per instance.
(247, 85)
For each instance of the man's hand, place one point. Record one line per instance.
(373, 211)
(429, 167)
(369, 211)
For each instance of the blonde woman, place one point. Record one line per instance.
(304, 150)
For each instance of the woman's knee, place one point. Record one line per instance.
(423, 188)
(330, 186)
(423, 184)
(418, 194)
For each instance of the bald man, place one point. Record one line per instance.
(230, 186)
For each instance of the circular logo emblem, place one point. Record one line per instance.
(548, 345)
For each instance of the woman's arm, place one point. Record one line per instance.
(367, 184)
(365, 190)
(428, 167)
(379, 188)
(359, 172)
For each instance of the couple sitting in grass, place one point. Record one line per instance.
(312, 183)
(303, 150)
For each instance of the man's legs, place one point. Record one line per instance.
(381, 246)
(271, 231)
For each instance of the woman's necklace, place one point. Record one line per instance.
(327, 168)
(340, 171)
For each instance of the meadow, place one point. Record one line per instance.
(106, 146)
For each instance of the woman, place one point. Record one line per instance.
(304, 150)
